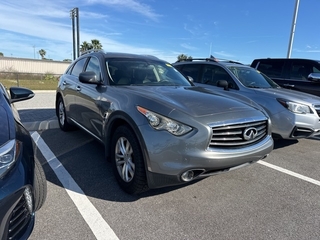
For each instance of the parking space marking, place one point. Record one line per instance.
(90, 214)
(294, 174)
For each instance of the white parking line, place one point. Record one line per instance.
(297, 175)
(97, 224)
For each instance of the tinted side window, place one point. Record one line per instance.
(212, 74)
(94, 66)
(78, 67)
(191, 70)
(300, 70)
(272, 68)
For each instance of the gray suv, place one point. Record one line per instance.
(293, 114)
(156, 127)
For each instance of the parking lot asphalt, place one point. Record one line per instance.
(38, 113)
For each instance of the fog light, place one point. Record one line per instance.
(187, 176)
(28, 197)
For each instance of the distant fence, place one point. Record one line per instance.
(30, 80)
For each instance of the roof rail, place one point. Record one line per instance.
(211, 59)
(91, 51)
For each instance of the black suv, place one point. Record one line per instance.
(293, 73)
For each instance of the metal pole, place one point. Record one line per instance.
(78, 36)
(73, 33)
(293, 28)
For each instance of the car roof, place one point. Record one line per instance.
(258, 59)
(119, 55)
(224, 62)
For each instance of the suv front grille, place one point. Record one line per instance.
(238, 135)
(19, 219)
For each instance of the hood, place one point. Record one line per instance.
(288, 94)
(195, 101)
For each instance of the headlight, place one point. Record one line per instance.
(9, 152)
(160, 122)
(295, 107)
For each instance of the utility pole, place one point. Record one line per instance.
(293, 28)
(74, 15)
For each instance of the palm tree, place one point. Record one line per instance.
(42, 53)
(96, 44)
(85, 46)
(183, 57)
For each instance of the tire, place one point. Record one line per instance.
(40, 185)
(127, 161)
(62, 116)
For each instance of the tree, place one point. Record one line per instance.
(1, 54)
(85, 46)
(95, 44)
(183, 57)
(42, 53)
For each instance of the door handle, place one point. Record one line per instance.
(78, 88)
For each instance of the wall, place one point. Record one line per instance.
(25, 65)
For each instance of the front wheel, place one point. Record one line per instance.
(128, 161)
(40, 185)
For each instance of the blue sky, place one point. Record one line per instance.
(231, 29)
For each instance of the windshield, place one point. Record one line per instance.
(142, 72)
(252, 78)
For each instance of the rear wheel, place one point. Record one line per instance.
(128, 161)
(63, 123)
(40, 185)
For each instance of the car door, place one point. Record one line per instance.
(69, 87)
(298, 71)
(88, 100)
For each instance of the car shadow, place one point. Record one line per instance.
(281, 143)
(36, 115)
(83, 158)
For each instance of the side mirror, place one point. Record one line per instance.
(190, 79)
(88, 77)
(20, 94)
(224, 84)
(314, 77)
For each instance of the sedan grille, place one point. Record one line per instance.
(19, 219)
(317, 108)
(238, 135)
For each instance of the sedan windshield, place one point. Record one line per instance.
(252, 78)
(142, 72)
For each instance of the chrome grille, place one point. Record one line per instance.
(19, 219)
(238, 135)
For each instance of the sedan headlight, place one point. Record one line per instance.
(9, 152)
(295, 107)
(160, 122)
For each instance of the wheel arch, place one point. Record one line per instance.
(117, 119)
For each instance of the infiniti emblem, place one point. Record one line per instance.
(250, 133)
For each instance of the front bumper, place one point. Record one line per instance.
(287, 125)
(16, 204)
(168, 159)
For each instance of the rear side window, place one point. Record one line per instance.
(272, 68)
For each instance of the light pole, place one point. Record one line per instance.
(293, 28)
(34, 51)
(74, 14)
